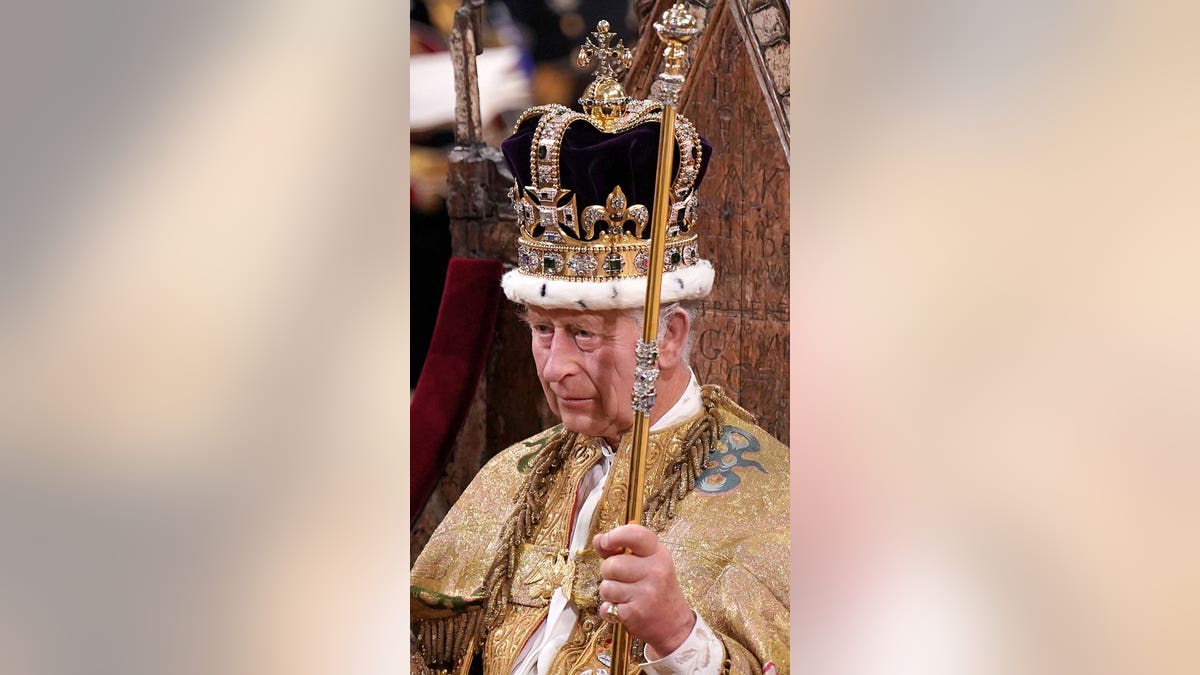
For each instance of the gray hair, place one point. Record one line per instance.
(665, 312)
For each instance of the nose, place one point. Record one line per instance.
(562, 358)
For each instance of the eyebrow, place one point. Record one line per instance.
(529, 320)
(599, 330)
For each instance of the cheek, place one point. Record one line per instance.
(617, 369)
(539, 356)
(539, 364)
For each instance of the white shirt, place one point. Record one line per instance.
(702, 651)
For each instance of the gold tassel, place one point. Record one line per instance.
(447, 642)
(464, 666)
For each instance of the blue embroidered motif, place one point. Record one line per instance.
(719, 476)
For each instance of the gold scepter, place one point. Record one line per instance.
(676, 28)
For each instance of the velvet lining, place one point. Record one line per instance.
(593, 162)
(457, 355)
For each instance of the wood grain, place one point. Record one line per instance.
(736, 95)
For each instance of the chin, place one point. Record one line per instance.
(585, 427)
(584, 424)
(592, 428)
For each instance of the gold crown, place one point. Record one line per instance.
(611, 240)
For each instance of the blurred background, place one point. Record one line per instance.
(528, 58)
(205, 335)
(996, 361)
(202, 307)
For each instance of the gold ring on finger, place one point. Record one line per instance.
(612, 614)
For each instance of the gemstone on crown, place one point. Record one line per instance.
(582, 264)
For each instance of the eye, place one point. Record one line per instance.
(586, 339)
(543, 329)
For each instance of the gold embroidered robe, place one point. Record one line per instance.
(728, 539)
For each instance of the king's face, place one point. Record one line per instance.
(586, 363)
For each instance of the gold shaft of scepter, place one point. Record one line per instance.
(675, 29)
(641, 420)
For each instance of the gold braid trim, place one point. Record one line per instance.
(718, 397)
(519, 527)
(680, 479)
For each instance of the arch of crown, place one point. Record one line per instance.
(610, 240)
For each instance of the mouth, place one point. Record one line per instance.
(571, 402)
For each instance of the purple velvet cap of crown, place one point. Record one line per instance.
(593, 162)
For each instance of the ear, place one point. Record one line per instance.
(672, 340)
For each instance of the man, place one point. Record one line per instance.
(533, 566)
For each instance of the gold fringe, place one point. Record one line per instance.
(446, 643)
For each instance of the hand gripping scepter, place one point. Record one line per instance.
(676, 28)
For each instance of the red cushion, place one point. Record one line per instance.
(457, 353)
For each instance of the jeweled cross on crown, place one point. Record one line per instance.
(610, 60)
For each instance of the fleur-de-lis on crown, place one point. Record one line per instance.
(615, 213)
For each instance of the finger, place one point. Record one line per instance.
(606, 545)
(626, 568)
(599, 547)
(609, 612)
(617, 592)
(637, 539)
